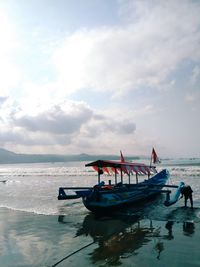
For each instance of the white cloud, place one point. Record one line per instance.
(58, 119)
(144, 52)
(114, 125)
(65, 125)
(193, 97)
(190, 97)
(10, 75)
(193, 91)
(2, 100)
(195, 75)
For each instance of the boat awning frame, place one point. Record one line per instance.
(126, 167)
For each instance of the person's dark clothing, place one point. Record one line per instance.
(186, 191)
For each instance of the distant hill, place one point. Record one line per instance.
(8, 157)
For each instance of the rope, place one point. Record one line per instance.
(72, 254)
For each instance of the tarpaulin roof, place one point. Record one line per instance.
(126, 167)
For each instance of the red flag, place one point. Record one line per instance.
(124, 168)
(154, 157)
(122, 157)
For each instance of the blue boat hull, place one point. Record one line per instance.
(103, 201)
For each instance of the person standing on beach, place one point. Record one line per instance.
(187, 191)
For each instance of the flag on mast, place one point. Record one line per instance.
(124, 168)
(122, 157)
(154, 157)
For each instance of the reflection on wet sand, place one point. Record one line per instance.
(115, 238)
(120, 238)
(188, 228)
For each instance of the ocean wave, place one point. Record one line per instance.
(193, 171)
(31, 210)
(46, 172)
(67, 209)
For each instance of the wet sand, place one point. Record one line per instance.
(30, 240)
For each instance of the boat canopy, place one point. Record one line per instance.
(109, 166)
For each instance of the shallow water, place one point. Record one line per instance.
(34, 187)
(28, 239)
(38, 230)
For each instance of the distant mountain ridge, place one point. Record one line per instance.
(9, 157)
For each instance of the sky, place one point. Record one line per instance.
(99, 76)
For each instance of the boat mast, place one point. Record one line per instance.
(136, 177)
(99, 174)
(151, 160)
(115, 176)
(121, 175)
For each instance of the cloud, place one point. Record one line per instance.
(10, 75)
(65, 119)
(189, 97)
(144, 51)
(67, 125)
(109, 134)
(195, 75)
(154, 46)
(2, 99)
(116, 126)
(192, 94)
(193, 97)
(10, 136)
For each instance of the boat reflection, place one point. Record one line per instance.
(116, 238)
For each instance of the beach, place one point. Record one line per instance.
(38, 230)
(28, 239)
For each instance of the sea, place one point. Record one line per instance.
(38, 230)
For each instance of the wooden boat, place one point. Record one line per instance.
(107, 197)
